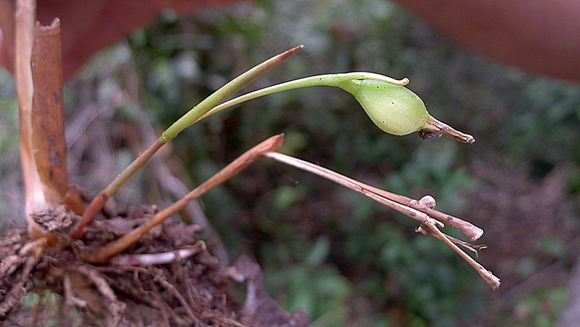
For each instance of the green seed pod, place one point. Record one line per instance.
(397, 110)
(391, 106)
(394, 109)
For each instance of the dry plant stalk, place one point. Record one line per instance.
(413, 209)
(25, 16)
(247, 158)
(150, 259)
(38, 67)
(48, 112)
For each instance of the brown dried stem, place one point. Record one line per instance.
(48, 112)
(468, 229)
(38, 68)
(149, 259)
(247, 158)
(25, 16)
(388, 199)
(403, 203)
(487, 275)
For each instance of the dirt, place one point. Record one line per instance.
(195, 291)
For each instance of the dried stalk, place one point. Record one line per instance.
(487, 275)
(34, 197)
(386, 198)
(247, 158)
(393, 201)
(48, 113)
(148, 259)
(468, 229)
(38, 68)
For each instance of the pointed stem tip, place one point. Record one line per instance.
(290, 52)
(436, 128)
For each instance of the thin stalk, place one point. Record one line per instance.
(471, 231)
(170, 133)
(335, 80)
(99, 201)
(247, 158)
(435, 128)
(351, 184)
(492, 280)
(468, 229)
(370, 192)
(222, 94)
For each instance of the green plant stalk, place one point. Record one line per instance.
(170, 133)
(221, 95)
(336, 80)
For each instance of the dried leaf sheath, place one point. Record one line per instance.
(49, 146)
(39, 87)
(34, 196)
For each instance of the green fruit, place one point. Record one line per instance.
(393, 108)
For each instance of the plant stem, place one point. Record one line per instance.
(435, 128)
(468, 229)
(336, 80)
(349, 183)
(24, 38)
(387, 199)
(222, 94)
(99, 201)
(247, 158)
(493, 281)
(170, 133)
(471, 231)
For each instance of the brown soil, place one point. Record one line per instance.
(196, 291)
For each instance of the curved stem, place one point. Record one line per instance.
(222, 94)
(336, 80)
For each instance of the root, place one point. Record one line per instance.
(115, 307)
(29, 255)
(70, 298)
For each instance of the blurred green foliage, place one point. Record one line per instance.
(339, 256)
(9, 192)
(539, 308)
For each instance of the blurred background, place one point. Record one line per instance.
(343, 259)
